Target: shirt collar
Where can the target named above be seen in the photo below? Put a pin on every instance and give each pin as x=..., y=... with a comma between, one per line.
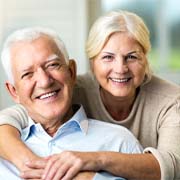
x=79, y=118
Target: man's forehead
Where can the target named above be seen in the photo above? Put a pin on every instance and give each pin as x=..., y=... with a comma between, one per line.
x=43, y=42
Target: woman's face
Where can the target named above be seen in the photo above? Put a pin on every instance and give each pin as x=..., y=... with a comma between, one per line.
x=120, y=66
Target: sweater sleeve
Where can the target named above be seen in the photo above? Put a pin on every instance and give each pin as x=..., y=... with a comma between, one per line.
x=15, y=116
x=168, y=148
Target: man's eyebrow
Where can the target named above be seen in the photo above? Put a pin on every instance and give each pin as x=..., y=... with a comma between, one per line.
x=53, y=57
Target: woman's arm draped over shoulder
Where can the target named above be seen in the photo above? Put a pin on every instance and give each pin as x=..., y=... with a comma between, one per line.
x=12, y=120
x=15, y=116
x=131, y=166
x=14, y=149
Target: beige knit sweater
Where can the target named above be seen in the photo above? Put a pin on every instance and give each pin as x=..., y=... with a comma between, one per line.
x=154, y=118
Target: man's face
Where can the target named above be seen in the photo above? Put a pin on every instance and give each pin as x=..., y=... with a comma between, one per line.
x=43, y=82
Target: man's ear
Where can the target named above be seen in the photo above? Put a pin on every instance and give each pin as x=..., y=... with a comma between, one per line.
x=12, y=91
x=72, y=68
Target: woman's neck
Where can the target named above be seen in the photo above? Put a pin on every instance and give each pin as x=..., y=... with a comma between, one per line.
x=119, y=108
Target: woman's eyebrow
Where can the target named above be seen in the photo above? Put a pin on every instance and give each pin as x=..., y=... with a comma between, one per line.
x=106, y=52
x=134, y=51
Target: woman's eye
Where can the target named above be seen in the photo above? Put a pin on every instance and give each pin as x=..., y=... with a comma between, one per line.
x=107, y=57
x=130, y=57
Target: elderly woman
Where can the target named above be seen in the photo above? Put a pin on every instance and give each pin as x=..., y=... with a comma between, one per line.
x=120, y=90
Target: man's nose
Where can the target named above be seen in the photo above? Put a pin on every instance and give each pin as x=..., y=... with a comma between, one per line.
x=120, y=66
x=43, y=78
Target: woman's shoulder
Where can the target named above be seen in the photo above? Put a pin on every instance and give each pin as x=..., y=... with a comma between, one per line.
x=85, y=89
x=19, y=109
x=162, y=87
x=86, y=80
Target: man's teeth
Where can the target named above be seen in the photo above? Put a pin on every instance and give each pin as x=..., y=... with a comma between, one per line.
x=119, y=80
x=47, y=95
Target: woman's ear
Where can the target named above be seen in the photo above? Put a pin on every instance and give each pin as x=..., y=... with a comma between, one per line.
x=12, y=91
x=72, y=69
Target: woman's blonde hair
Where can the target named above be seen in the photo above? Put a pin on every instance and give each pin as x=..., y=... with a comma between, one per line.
x=117, y=21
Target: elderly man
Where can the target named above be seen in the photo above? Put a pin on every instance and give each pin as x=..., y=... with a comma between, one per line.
x=41, y=78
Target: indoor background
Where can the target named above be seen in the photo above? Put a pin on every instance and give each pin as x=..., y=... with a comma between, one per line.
x=72, y=19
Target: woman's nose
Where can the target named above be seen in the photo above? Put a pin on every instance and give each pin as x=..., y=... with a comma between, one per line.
x=120, y=66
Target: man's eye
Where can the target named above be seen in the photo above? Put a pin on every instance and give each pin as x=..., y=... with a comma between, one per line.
x=54, y=66
x=27, y=75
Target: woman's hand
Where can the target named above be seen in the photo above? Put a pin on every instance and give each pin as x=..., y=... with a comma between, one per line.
x=34, y=169
x=68, y=164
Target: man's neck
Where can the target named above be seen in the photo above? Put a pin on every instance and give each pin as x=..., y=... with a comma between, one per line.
x=51, y=130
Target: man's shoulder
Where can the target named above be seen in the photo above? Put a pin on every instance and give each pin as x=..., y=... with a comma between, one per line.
x=108, y=127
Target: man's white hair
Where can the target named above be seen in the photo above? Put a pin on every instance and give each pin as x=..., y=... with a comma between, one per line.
x=28, y=35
